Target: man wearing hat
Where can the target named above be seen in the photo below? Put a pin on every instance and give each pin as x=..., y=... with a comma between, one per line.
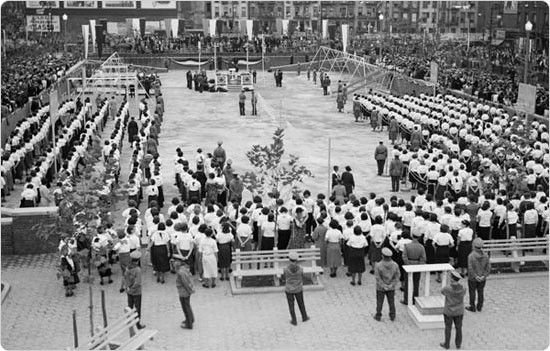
x=219, y=155
x=380, y=155
x=132, y=279
x=347, y=181
x=386, y=273
x=479, y=268
x=413, y=253
x=453, y=311
x=236, y=188
x=184, y=284
x=294, y=280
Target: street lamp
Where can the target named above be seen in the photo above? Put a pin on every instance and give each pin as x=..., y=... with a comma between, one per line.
x=528, y=29
x=65, y=18
x=381, y=18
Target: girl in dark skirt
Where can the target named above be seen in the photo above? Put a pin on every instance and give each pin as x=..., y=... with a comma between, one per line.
x=442, y=242
x=428, y=243
x=356, y=260
x=464, y=243
x=69, y=271
x=159, y=248
x=225, y=244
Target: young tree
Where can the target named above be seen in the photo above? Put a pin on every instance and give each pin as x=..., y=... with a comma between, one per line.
x=273, y=172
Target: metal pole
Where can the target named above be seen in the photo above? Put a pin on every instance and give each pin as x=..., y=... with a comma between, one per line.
x=526, y=68
x=75, y=331
x=328, y=168
x=215, y=60
x=247, y=59
x=91, y=311
x=103, y=308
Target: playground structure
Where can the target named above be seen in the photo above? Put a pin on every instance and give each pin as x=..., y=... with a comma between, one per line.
x=362, y=76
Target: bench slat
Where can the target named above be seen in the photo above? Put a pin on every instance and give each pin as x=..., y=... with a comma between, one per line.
x=113, y=330
x=138, y=340
x=518, y=259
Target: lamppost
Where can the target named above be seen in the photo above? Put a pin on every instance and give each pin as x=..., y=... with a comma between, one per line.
x=528, y=29
x=65, y=18
x=381, y=18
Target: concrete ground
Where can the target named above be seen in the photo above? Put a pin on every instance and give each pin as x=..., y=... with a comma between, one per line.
x=36, y=315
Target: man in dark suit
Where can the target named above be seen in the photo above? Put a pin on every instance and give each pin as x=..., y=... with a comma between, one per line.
x=348, y=181
x=133, y=129
x=335, y=176
x=396, y=170
x=189, y=77
x=380, y=155
x=413, y=253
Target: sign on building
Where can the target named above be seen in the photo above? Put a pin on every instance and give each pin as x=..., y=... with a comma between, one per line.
x=527, y=95
x=43, y=23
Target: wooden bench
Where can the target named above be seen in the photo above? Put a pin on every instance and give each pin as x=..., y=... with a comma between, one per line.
x=105, y=338
x=514, y=250
x=273, y=262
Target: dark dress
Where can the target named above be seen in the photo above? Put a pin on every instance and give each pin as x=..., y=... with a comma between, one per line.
x=72, y=277
x=356, y=260
x=224, y=255
x=441, y=254
x=464, y=249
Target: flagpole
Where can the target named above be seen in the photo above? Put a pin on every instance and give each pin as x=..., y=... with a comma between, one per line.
x=199, y=55
x=247, y=70
x=263, y=59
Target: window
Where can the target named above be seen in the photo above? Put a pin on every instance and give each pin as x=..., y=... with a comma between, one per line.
x=425, y=4
x=315, y=11
x=360, y=11
x=331, y=12
x=546, y=19
x=216, y=11
x=252, y=12
x=434, y=4
x=324, y=11
x=534, y=19
x=413, y=17
x=395, y=15
x=405, y=16
x=279, y=11
x=414, y=4
x=306, y=11
x=453, y=30
x=343, y=11
x=243, y=11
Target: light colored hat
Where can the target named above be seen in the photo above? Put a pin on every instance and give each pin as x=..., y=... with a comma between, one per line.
x=293, y=256
x=477, y=243
x=136, y=255
x=455, y=275
x=386, y=252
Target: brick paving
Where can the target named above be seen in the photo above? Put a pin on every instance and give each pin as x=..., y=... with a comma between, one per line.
x=36, y=315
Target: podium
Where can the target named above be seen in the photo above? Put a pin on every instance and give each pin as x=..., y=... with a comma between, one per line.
x=427, y=312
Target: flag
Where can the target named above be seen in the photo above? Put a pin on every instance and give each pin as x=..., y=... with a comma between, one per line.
x=212, y=27
x=175, y=27
x=285, y=26
x=199, y=45
x=86, y=35
x=168, y=26
x=92, y=32
x=325, y=28
x=249, y=25
x=345, y=36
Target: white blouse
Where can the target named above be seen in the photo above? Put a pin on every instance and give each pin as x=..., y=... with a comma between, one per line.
x=357, y=241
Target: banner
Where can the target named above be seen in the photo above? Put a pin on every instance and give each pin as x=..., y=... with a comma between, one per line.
x=212, y=27
x=92, y=32
x=527, y=95
x=43, y=23
x=285, y=26
x=175, y=27
x=54, y=106
x=434, y=70
x=86, y=35
x=345, y=28
x=249, y=27
x=325, y=28
x=168, y=27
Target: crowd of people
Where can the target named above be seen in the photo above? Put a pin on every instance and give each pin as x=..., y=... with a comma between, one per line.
x=28, y=73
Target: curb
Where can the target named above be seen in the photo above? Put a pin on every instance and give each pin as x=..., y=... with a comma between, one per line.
x=496, y=276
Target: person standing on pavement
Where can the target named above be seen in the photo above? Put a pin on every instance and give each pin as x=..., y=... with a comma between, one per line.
x=254, y=103
x=133, y=129
x=112, y=108
x=380, y=155
x=315, y=76
x=479, y=268
x=348, y=181
x=413, y=253
x=242, y=99
x=453, y=312
x=294, y=281
x=132, y=279
x=393, y=129
x=184, y=284
x=386, y=273
x=396, y=171
x=219, y=155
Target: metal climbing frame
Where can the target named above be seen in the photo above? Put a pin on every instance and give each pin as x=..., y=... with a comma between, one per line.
x=335, y=61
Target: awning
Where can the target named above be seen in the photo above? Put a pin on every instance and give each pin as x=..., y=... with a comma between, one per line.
x=496, y=42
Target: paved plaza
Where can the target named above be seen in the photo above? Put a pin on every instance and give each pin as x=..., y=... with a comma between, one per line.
x=36, y=315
